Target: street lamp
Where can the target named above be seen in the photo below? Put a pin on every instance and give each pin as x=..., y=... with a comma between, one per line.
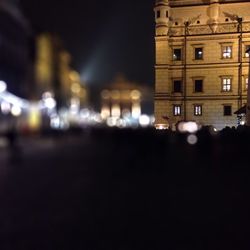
x=248, y=94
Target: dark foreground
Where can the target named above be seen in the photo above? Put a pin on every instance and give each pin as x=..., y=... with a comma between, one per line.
x=124, y=190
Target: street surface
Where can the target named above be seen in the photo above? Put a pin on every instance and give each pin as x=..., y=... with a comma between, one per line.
x=112, y=189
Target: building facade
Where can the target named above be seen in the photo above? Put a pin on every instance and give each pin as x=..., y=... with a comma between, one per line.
x=54, y=74
x=201, y=61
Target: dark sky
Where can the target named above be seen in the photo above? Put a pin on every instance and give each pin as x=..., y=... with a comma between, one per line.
x=104, y=36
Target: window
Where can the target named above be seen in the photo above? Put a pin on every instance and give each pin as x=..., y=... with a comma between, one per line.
x=227, y=110
x=198, y=53
x=177, y=86
x=226, y=51
x=198, y=85
x=166, y=13
x=177, y=54
x=197, y=110
x=247, y=47
x=226, y=84
x=246, y=83
x=158, y=14
x=177, y=110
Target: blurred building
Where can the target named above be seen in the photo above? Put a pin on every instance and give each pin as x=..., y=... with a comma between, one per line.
x=201, y=61
x=53, y=72
x=124, y=99
x=15, y=49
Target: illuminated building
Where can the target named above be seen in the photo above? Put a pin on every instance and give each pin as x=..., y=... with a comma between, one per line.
x=201, y=65
x=54, y=74
x=123, y=99
x=15, y=49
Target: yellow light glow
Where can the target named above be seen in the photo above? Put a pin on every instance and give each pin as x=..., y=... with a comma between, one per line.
x=115, y=94
x=34, y=119
x=135, y=95
x=76, y=88
x=136, y=110
x=125, y=95
x=116, y=110
x=161, y=126
x=105, y=112
x=74, y=76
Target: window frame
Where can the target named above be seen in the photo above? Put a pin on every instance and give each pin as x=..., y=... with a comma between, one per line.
x=178, y=113
x=223, y=78
x=173, y=85
x=202, y=55
x=246, y=47
x=177, y=48
x=227, y=105
x=199, y=113
x=226, y=45
x=198, y=79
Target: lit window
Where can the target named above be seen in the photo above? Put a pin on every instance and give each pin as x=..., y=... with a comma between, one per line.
x=227, y=110
x=247, y=48
x=198, y=86
x=197, y=110
x=226, y=52
x=226, y=84
x=177, y=54
x=198, y=53
x=177, y=110
x=177, y=86
x=246, y=83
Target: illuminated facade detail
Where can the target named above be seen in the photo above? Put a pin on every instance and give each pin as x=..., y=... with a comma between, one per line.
x=177, y=110
x=123, y=103
x=54, y=74
x=201, y=70
x=121, y=100
x=197, y=110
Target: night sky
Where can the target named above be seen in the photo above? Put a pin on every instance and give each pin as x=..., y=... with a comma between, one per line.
x=104, y=37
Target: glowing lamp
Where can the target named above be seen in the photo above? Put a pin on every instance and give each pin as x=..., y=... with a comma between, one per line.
x=3, y=86
x=16, y=111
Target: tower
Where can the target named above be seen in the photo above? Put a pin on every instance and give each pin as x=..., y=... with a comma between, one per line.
x=162, y=14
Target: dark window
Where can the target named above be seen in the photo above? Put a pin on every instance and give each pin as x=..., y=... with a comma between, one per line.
x=177, y=110
x=198, y=85
x=177, y=86
x=198, y=53
x=158, y=14
x=177, y=54
x=198, y=110
x=227, y=110
x=176, y=23
x=198, y=22
x=166, y=13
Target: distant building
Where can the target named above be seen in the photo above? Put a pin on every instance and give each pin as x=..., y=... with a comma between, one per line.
x=124, y=99
x=53, y=72
x=15, y=49
x=201, y=65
